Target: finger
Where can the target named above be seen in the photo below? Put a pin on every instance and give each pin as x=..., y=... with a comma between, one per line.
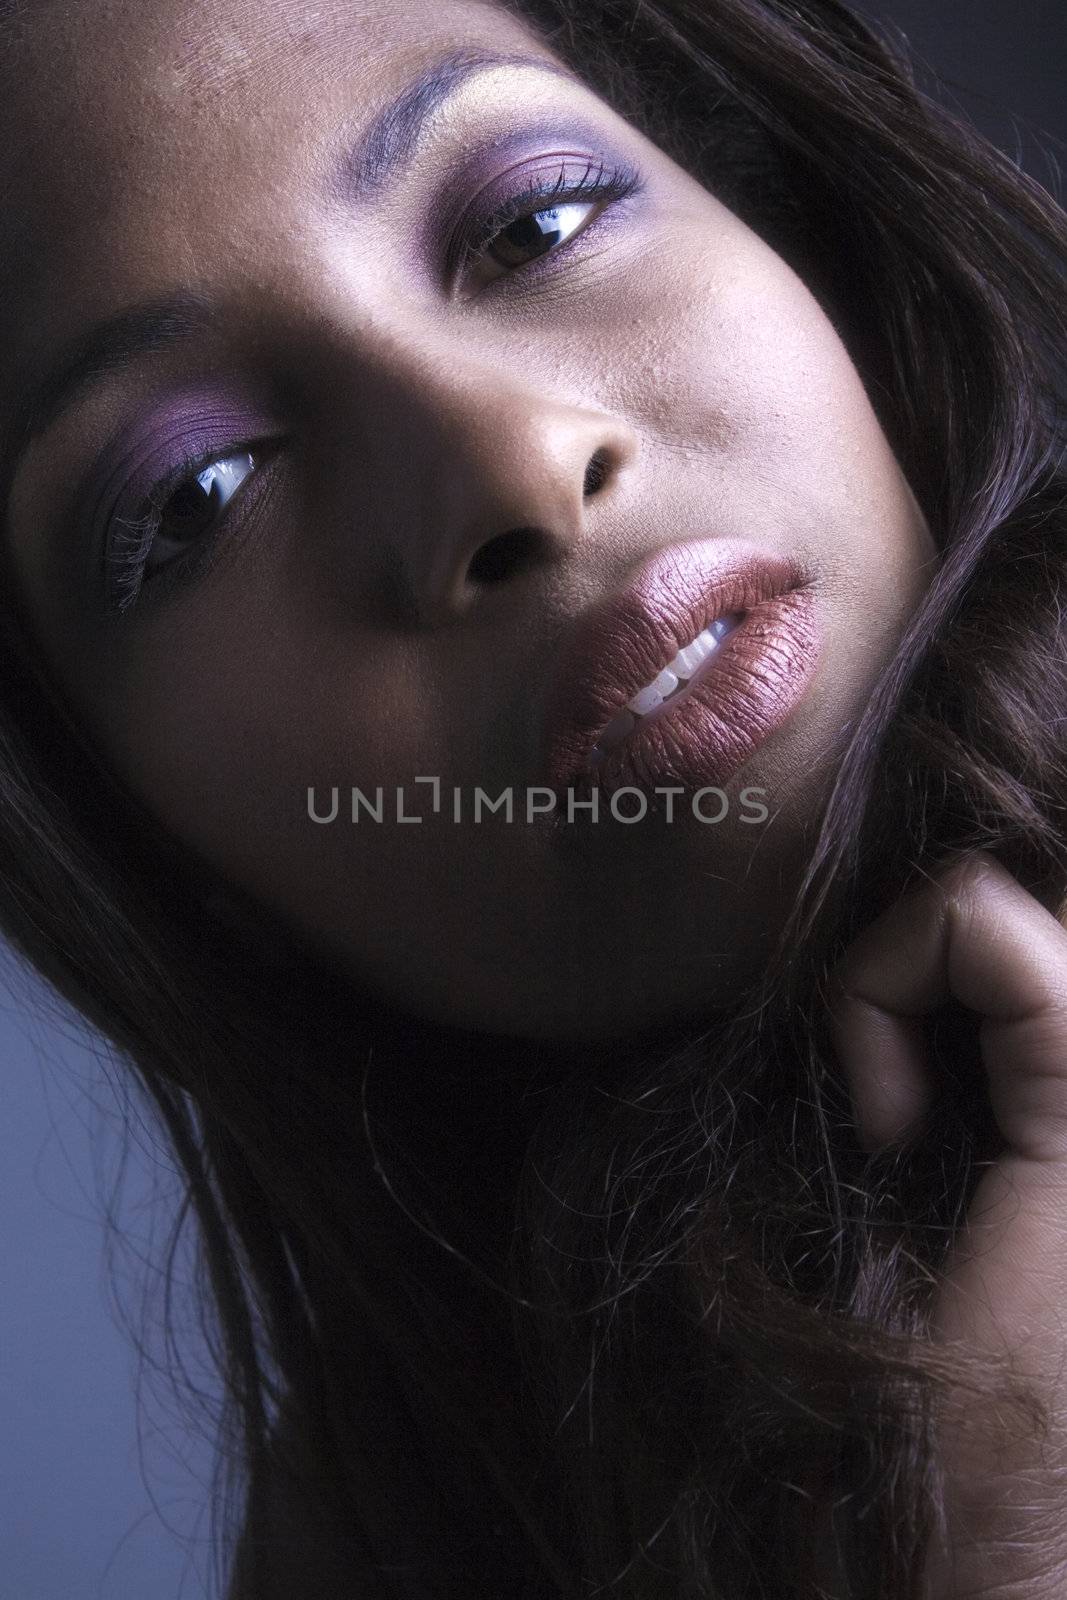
x=883, y=1056
x=973, y=933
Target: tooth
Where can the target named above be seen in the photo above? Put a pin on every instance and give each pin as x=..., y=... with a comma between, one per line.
x=645, y=700
x=684, y=666
x=687, y=661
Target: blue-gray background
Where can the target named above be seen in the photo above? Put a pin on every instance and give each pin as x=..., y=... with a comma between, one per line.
x=100, y=1501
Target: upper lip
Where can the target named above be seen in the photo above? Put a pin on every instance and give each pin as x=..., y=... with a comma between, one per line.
x=623, y=641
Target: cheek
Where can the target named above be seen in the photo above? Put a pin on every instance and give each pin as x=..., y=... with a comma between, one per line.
x=230, y=718
x=739, y=370
x=226, y=761
x=731, y=349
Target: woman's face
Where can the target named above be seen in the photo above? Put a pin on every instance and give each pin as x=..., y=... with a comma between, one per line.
x=395, y=476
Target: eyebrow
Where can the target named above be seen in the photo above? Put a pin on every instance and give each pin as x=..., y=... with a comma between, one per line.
x=391, y=140
x=378, y=155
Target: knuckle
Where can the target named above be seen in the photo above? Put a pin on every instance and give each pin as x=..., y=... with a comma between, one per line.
x=973, y=874
x=978, y=891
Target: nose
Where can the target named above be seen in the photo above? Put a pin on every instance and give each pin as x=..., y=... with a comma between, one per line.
x=489, y=474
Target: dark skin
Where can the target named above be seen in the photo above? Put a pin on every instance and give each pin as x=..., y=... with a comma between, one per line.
x=337, y=636
x=973, y=934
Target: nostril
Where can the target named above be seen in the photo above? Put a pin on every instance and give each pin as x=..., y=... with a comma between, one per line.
x=501, y=556
x=596, y=472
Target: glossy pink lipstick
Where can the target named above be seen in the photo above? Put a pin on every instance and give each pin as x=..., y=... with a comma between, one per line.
x=709, y=726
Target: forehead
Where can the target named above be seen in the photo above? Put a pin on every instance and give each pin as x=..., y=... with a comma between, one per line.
x=173, y=52
x=115, y=110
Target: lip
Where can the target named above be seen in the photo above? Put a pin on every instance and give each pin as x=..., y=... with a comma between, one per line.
x=746, y=690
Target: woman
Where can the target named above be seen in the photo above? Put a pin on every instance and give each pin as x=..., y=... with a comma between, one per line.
x=637, y=1200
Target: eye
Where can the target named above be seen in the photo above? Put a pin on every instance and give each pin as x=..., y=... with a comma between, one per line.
x=196, y=505
x=178, y=520
x=536, y=233
x=541, y=218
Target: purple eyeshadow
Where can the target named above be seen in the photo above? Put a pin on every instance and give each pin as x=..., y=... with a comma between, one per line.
x=200, y=419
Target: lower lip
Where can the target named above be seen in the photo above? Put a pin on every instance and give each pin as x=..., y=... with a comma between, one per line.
x=746, y=690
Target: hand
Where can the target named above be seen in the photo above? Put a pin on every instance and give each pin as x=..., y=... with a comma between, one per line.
x=974, y=933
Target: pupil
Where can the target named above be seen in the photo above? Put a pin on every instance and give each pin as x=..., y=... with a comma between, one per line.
x=191, y=502
x=529, y=233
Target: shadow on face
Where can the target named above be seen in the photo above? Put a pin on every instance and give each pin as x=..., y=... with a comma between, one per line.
x=369, y=355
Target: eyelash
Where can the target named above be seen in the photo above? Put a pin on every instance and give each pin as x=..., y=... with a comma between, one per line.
x=609, y=188
x=130, y=540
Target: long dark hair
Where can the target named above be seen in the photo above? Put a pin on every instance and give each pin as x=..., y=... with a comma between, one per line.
x=505, y=1318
